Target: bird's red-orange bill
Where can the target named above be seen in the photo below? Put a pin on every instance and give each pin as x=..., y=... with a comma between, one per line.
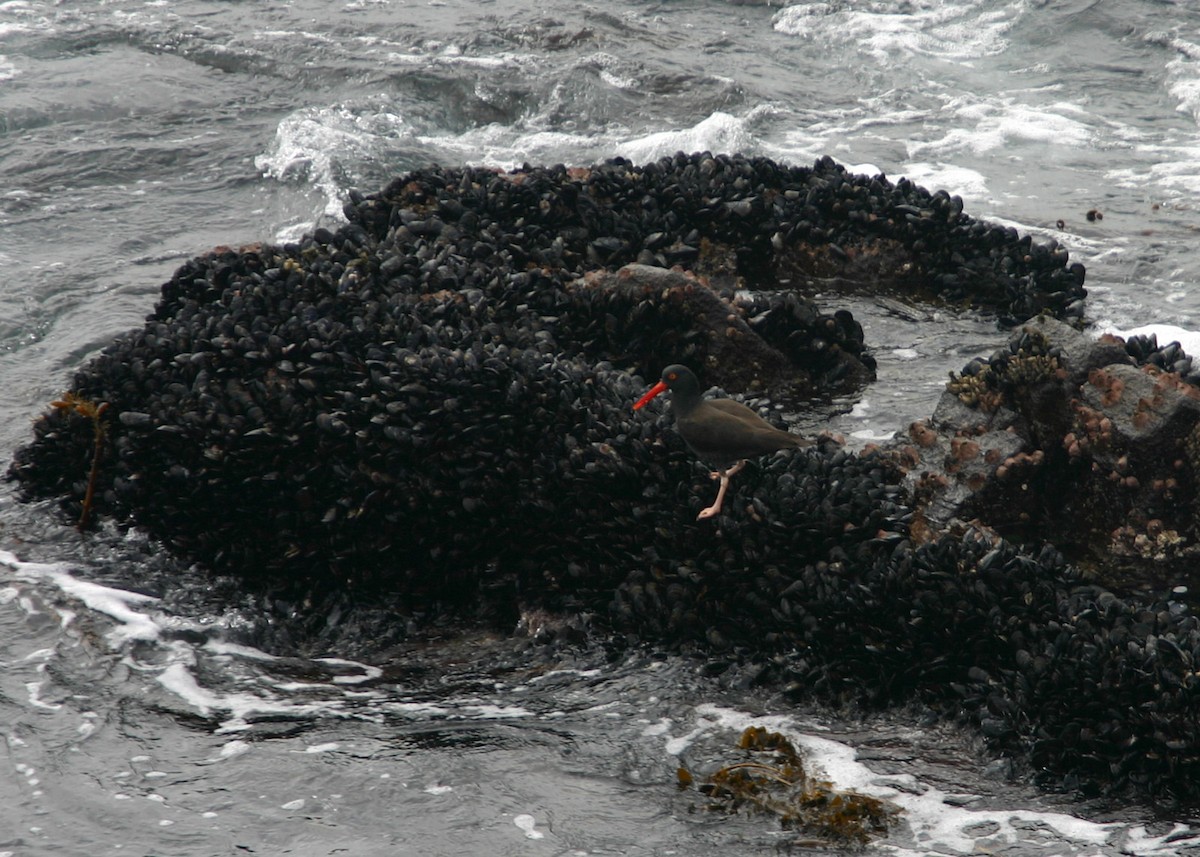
x=650, y=394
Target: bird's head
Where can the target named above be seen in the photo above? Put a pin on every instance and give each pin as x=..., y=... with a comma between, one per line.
x=677, y=378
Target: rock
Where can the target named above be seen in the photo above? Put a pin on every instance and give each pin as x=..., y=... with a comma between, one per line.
x=1061, y=437
x=651, y=302
x=435, y=400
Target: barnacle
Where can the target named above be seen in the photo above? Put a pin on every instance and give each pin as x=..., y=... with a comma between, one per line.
x=974, y=391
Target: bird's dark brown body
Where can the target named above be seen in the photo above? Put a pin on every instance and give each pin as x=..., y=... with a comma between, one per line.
x=723, y=432
x=720, y=431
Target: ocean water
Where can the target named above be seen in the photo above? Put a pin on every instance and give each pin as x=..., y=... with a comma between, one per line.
x=148, y=709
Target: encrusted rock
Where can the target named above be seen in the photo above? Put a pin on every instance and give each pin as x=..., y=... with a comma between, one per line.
x=1079, y=446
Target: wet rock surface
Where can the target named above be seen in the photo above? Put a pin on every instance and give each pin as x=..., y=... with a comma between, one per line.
x=435, y=400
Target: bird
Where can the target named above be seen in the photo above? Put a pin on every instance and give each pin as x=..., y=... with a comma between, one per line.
x=722, y=432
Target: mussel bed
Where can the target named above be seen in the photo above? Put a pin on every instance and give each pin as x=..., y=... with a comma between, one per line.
x=422, y=402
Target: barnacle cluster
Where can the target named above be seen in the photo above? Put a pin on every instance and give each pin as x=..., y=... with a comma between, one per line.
x=1154, y=543
x=987, y=384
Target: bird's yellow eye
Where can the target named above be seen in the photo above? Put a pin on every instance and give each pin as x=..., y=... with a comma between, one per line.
x=672, y=376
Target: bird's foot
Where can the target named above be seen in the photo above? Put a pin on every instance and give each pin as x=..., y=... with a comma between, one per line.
x=724, y=477
x=715, y=474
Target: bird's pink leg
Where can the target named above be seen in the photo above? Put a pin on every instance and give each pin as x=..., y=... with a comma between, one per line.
x=716, y=506
x=724, y=476
x=733, y=471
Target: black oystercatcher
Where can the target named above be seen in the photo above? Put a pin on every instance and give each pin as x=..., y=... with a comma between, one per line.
x=720, y=431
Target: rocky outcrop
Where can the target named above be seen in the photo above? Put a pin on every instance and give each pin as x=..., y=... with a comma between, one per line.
x=384, y=400
x=435, y=399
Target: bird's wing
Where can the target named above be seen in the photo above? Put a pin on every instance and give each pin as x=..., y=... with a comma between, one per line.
x=730, y=430
x=735, y=409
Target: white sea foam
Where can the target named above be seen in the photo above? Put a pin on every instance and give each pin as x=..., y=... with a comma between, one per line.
x=955, y=179
x=866, y=436
x=1173, y=175
x=958, y=31
x=718, y=132
x=233, y=748
x=452, y=55
x=221, y=647
x=612, y=70
x=569, y=673
x=1187, y=89
x=173, y=662
x=33, y=690
x=299, y=35
x=932, y=822
x=117, y=604
x=1165, y=165
x=18, y=17
x=240, y=707
x=1183, y=75
x=311, y=143
x=994, y=124
x=508, y=146
x=528, y=825
x=367, y=672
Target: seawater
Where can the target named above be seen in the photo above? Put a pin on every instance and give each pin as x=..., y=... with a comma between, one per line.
x=149, y=709
x=132, y=729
